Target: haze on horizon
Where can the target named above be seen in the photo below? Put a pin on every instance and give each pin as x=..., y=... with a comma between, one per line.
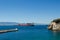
x=23, y=11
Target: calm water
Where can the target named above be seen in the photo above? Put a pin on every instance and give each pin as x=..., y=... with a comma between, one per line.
x=29, y=33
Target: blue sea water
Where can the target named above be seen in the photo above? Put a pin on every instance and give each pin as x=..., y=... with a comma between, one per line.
x=38, y=32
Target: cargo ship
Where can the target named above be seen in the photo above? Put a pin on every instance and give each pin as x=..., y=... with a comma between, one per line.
x=26, y=24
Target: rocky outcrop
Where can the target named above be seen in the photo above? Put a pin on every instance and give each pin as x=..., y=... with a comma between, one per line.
x=55, y=25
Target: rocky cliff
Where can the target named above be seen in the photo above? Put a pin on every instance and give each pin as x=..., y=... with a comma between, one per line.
x=54, y=25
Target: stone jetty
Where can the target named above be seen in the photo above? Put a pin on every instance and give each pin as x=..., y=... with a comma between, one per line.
x=10, y=30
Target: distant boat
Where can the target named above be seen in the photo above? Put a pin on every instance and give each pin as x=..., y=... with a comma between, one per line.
x=27, y=24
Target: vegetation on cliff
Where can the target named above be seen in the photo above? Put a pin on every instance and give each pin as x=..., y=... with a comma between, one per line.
x=56, y=20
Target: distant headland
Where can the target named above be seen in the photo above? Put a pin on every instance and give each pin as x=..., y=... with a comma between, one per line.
x=16, y=24
x=19, y=24
x=8, y=23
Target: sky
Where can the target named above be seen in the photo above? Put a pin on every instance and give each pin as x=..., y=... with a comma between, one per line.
x=23, y=11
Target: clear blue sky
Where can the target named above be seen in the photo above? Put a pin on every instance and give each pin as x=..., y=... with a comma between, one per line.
x=38, y=11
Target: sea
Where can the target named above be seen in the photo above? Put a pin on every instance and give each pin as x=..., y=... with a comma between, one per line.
x=37, y=32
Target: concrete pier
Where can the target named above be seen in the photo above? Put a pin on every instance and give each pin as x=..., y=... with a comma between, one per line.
x=10, y=30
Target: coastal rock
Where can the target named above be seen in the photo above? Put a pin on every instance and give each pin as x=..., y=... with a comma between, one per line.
x=55, y=25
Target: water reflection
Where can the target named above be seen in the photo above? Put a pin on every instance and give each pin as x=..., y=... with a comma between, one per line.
x=56, y=35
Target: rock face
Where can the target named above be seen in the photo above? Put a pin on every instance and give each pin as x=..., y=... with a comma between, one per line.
x=55, y=25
